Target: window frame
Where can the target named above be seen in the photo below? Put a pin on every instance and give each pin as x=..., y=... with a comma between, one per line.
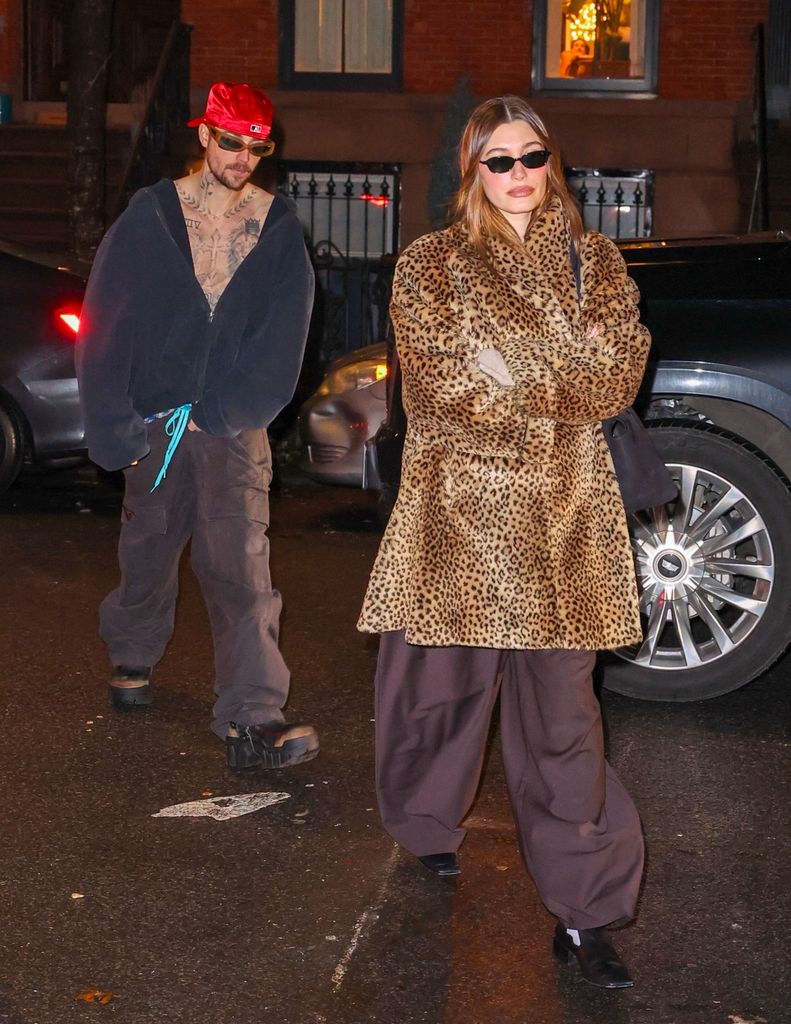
x=645, y=87
x=338, y=80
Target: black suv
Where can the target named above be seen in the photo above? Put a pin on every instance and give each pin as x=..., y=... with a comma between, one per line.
x=715, y=566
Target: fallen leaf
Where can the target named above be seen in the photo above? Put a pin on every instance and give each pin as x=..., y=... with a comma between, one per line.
x=502, y=867
x=95, y=995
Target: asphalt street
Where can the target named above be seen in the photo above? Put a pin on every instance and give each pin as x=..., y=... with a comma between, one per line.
x=302, y=911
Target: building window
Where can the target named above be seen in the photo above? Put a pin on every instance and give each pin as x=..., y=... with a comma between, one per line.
x=341, y=44
x=596, y=46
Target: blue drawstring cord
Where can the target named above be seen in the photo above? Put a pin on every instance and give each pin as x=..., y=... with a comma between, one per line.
x=174, y=428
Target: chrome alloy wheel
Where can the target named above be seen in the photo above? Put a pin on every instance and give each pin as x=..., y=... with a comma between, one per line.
x=705, y=568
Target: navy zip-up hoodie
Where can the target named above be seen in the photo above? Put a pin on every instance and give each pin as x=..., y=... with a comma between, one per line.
x=149, y=343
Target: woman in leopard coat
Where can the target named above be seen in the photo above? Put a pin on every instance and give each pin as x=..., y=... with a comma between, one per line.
x=507, y=563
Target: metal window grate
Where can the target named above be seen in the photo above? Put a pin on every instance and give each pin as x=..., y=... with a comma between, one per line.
x=350, y=216
x=618, y=203
x=349, y=210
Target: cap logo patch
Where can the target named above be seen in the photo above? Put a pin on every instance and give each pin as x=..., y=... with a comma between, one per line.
x=237, y=107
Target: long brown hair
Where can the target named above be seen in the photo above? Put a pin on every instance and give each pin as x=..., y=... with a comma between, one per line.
x=471, y=206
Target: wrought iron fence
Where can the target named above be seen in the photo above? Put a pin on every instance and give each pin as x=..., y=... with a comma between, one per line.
x=350, y=216
x=616, y=202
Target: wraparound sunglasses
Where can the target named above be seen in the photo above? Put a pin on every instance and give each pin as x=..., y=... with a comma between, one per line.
x=233, y=144
x=501, y=164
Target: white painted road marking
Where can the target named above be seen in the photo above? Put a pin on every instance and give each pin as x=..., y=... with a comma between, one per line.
x=221, y=808
x=370, y=915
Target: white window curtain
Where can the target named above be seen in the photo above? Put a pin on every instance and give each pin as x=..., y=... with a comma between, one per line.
x=343, y=36
x=369, y=36
x=318, y=38
x=637, y=40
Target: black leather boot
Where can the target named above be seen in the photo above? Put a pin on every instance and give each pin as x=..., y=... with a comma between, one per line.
x=443, y=864
x=598, y=962
x=270, y=746
x=136, y=693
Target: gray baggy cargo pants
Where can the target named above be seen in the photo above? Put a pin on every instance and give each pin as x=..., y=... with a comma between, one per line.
x=578, y=829
x=216, y=492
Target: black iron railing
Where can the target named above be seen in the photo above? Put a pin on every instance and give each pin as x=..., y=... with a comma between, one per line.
x=350, y=216
x=619, y=203
x=168, y=107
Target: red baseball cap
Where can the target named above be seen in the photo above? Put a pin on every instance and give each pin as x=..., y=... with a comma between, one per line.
x=238, y=108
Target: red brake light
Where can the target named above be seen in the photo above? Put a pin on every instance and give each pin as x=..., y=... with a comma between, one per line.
x=69, y=318
x=375, y=200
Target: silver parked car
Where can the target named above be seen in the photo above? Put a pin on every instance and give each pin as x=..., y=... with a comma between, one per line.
x=40, y=417
x=343, y=413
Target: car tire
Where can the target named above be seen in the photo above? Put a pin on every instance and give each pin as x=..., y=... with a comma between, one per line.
x=12, y=448
x=715, y=591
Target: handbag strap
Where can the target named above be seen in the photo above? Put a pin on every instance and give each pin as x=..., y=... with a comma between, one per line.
x=574, y=259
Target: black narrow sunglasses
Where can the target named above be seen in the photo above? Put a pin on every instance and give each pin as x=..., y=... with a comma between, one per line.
x=501, y=164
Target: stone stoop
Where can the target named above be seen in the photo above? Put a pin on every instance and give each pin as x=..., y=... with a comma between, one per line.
x=34, y=179
x=34, y=164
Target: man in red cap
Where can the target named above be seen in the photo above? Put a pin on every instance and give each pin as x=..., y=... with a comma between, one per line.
x=191, y=340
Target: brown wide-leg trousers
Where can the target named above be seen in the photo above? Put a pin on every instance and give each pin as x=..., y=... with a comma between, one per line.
x=216, y=493
x=579, y=831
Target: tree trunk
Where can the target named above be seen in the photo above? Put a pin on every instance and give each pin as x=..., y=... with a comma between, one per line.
x=89, y=52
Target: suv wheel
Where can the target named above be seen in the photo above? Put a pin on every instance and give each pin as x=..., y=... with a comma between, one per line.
x=12, y=449
x=714, y=571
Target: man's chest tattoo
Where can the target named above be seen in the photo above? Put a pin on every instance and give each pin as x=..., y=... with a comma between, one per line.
x=219, y=244
x=218, y=249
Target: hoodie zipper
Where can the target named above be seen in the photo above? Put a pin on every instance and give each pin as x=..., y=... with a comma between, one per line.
x=209, y=311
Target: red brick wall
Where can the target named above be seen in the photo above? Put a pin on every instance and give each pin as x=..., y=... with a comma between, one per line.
x=442, y=38
x=235, y=40
x=490, y=40
x=705, y=51
x=702, y=55
x=7, y=72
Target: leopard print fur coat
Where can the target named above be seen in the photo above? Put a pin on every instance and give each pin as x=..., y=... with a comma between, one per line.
x=509, y=530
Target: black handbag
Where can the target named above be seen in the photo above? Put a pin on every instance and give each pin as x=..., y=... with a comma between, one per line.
x=643, y=477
